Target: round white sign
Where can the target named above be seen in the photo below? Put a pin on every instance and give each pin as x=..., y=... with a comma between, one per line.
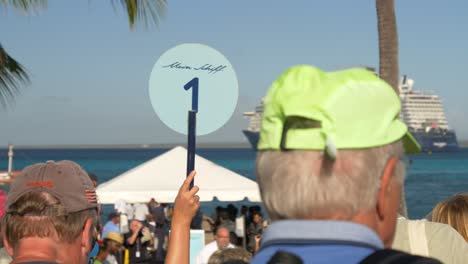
x=183, y=72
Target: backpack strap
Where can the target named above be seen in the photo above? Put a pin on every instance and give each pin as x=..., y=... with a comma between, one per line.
x=391, y=256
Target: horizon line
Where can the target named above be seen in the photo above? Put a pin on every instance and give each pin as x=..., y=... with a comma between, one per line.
x=133, y=146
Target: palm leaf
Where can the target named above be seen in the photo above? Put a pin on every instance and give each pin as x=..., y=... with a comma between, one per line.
x=27, y=6
x=148, y=12
x=12, y=77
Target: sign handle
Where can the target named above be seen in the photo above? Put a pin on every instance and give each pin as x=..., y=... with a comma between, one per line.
x=192, y=125
x=191, y=146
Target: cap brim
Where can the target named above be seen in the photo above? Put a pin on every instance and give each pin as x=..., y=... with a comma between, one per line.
x=410, y=144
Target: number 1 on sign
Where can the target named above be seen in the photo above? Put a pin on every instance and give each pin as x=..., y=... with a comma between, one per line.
x=194, y=85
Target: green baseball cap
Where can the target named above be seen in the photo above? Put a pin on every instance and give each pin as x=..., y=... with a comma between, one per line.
x=350, y=109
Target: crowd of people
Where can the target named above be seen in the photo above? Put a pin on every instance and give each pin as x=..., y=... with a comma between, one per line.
x=330, y=172
x=227, y=233
x=138, y=231
x=146, y=226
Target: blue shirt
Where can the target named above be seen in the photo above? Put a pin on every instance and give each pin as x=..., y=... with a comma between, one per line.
x=109, y=227
x=316, y=241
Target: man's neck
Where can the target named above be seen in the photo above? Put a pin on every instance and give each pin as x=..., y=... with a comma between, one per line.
x=41, y=249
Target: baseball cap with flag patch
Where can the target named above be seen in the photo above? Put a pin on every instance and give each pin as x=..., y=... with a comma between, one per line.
x=349, y=109
x=65, y=180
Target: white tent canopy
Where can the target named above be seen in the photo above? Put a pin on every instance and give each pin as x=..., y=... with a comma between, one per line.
x=161, y=177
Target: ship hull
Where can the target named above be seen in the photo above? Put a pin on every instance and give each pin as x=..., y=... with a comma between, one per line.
x=253, y=137
x=437, y=142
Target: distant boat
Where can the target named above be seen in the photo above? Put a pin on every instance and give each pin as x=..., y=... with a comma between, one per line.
x=422, y=112
x=9, y=176
x=252, y=133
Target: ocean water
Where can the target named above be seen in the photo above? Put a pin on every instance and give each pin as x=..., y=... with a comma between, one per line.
x=431, y=178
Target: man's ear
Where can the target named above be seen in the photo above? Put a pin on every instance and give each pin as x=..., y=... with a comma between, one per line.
x=87, y=236
x=7, y=245
x=385, y=183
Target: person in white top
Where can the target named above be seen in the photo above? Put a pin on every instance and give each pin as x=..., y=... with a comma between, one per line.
x=430, y=239
x=221, y=242
x=129, y=210
x=141, y=211
x=120, y=205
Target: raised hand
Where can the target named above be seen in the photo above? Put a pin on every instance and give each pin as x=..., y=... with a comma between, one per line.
x=186, y=206
x=187, y=202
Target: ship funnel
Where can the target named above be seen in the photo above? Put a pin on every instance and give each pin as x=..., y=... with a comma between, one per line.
x=403, y=87
x=405, y=78
x=406, y=84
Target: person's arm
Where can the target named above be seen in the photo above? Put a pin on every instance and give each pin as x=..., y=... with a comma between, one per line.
x=147, y=213
x=208, y=219
x=131, y=239
x=149, y=234
x=135, y=232
x=258, y=239
x=186, y=206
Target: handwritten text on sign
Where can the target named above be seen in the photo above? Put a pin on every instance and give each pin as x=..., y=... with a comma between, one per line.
x=206, y=67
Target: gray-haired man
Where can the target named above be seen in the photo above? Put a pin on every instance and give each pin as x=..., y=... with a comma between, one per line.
x=329, y=165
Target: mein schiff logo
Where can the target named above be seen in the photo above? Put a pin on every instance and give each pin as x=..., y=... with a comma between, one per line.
x=212, y=69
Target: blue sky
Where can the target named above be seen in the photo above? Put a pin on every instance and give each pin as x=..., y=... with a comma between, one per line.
x=90, y=73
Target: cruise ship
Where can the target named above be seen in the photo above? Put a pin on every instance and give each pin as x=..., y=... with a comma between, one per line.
x=422, y=112
x=252, y=133
x=424, y=115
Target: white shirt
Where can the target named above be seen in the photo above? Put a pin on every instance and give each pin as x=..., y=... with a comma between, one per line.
x=4, y=257
x=442, y=241
x=141, y=211
x=120, y=206
x=129, y=210
x=111, y=259
x=207, y=251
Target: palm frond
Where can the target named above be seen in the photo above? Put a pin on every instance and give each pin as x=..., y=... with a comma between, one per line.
x=12, y=77
x=148, y=12
x=26, y=6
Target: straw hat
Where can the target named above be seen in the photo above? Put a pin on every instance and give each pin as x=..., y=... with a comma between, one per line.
x=115, y=237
